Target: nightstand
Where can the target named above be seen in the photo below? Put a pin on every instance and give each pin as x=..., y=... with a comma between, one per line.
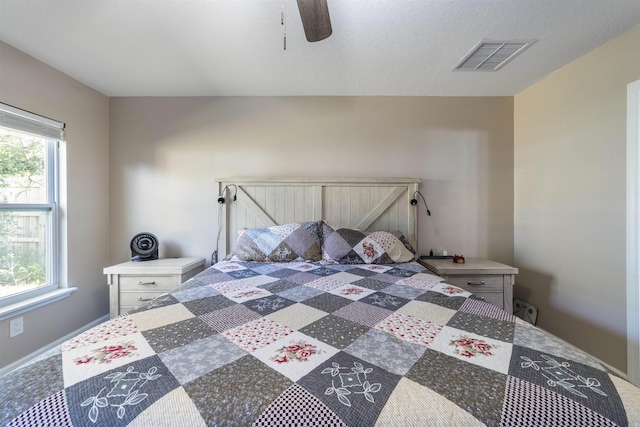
x=133, y=283
x=487, y=279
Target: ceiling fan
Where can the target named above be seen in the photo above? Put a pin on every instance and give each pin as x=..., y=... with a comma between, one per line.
x=315, y=19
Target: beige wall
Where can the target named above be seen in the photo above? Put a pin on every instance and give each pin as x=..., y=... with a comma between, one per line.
x=31, y=85
x=570, y=196
x=166, y=152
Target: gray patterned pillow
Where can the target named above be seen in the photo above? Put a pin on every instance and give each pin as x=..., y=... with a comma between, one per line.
x=347, y=246
x=281, y=243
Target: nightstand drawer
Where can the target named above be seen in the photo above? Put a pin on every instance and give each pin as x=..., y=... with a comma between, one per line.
x=477, y=284
x=135, y=299
x=143, y=283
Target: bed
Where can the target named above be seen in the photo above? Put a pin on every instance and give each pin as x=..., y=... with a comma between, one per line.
x=316, y=314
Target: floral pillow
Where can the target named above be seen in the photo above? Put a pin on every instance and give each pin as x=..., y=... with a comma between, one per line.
x=280, y=243
x=347, y=246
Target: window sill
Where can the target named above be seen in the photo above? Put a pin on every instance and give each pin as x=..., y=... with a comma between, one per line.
x=35, y=302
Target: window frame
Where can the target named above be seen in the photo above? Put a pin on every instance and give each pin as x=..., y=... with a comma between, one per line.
x=52, y=132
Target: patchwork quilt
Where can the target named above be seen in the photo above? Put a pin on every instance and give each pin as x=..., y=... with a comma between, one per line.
x=303, y=343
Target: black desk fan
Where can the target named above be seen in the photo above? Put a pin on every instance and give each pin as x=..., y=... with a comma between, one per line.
x=144, y=247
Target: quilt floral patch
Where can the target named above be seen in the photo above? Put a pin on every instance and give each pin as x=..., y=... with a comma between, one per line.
x=257, y=334
x=108, y=353
x=118, y=327
x=466, y=346
x=299, y=351
x=295, y=355
x=410, y=329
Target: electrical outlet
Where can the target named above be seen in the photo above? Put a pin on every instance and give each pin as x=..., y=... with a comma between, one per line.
x=16, y=327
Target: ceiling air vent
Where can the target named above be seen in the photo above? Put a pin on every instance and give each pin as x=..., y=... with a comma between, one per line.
x=491, y=55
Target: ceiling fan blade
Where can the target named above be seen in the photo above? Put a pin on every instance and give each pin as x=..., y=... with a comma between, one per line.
x=315, y=19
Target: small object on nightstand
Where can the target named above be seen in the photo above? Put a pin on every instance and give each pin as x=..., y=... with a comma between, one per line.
x=436, y=256
x=431, y=252
x=458, y=259
x=144, y=247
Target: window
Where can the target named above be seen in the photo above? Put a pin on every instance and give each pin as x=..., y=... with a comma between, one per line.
x=28, y=205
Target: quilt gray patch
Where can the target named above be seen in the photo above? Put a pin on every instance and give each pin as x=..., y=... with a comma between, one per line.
x=224, y=401
x=335, y=331
x=177, y=334
x=478, y=390
x=24, y=388
x=300, y=293
x=492, y=328
x=200, y=357
x=390, y=353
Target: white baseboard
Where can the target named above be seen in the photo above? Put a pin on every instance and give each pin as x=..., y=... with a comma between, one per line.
x=10, y=367
x=616, y=371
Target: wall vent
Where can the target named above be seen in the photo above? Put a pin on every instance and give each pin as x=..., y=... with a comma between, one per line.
x=491, y=55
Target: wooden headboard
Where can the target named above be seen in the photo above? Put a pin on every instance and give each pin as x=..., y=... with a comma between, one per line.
x=366, y=204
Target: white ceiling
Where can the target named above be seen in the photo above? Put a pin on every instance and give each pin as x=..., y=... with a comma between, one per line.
x=235, y=47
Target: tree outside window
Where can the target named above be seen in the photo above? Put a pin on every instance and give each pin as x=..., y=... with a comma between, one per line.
x=23, y=183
